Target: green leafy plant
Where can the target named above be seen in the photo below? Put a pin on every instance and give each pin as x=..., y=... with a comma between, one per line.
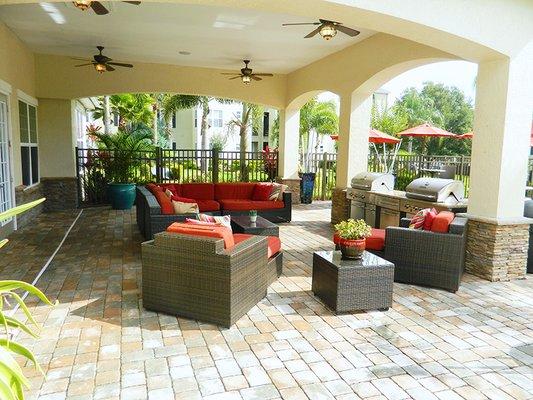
x=126, y=150
x=12, y=379
x=353, y=229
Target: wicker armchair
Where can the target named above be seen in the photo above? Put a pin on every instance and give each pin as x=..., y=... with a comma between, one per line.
x=196, y=277
x=427, y=258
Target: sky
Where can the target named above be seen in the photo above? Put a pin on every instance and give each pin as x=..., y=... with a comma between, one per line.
x=461, y=74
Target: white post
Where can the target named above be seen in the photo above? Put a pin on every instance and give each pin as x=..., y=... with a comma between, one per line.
x=354, y=127
x=289, y=136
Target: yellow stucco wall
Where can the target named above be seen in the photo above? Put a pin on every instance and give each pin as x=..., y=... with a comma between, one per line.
x=17, y=69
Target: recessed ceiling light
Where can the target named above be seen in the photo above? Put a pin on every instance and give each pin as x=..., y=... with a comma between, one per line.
x=185, y=53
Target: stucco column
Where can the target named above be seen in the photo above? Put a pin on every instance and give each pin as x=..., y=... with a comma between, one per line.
x=289, y=138
x=352, y=154
x=56, y=153
x=498, y=234
x=354, y=126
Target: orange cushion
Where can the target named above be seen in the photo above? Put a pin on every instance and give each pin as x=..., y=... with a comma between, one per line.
x=246, y=205
x=221, y=232
x=208, y=205
x=242, y=191
x=376, y=241
x=164, y=202
x=274, y=243
x=198, y=191
x=442, y=222
x=152, y=187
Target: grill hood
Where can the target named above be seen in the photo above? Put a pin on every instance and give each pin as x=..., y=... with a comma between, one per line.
x=437, y=190
x=375, y=181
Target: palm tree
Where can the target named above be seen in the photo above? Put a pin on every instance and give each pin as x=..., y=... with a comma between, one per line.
x=131, y=109
x=316, y=117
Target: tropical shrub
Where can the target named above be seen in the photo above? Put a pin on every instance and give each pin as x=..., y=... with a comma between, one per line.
x=12, y=379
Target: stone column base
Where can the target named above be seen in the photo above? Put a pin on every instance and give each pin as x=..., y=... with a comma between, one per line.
x=25, y=195
x=60, y=193
x=294, y=188
x=496, y=252
x=340, y=206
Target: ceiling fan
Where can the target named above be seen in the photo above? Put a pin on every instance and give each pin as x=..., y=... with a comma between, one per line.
x=246, y=74
x=102, y=63
x=97, y=7
x=327, y=29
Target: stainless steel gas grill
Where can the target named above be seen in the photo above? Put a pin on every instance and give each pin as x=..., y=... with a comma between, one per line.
x=436, y=190
x=362, y=206
x=374, y=181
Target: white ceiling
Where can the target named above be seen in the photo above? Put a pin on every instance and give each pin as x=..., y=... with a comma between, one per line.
x=217, y=37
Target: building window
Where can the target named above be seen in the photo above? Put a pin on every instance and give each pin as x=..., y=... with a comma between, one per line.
x=266, y=123
x=29, y=151
x=116, y=119
x=196, y=118
x=255, y=147
x=215, y=119
x=174, y=122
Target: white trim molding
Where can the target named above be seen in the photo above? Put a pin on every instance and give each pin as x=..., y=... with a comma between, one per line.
x=26, y=98
x=5, y=87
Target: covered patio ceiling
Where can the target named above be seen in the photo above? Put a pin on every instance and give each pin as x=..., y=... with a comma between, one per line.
x=215, y=37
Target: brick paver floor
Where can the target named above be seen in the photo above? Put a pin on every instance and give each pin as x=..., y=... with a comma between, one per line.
x=99, y=342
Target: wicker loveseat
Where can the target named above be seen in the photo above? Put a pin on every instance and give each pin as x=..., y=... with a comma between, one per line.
x=427, y=258
x=215, y=199
x=197, y=277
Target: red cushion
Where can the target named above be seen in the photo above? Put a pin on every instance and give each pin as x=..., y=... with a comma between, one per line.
x=376, y=241
x=182, y=199
x=221, y=232
x=152, y=187
x=262, y=191
x=164, y=202
x=208, y=205
x=274, y=243
x=198, y=191
x=442, y=222
x=246, y=205
x=174, y=188
x=428, y=221
x=241, y=191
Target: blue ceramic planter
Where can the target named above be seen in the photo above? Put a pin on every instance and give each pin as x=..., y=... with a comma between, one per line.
x=307, y=185
x=121, y=195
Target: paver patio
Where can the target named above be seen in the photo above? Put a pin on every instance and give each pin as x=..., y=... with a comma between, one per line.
x=99, y=343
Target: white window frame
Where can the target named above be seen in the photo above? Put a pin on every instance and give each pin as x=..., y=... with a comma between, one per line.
x=30, y=145
x=6, y=90
x=212, y=119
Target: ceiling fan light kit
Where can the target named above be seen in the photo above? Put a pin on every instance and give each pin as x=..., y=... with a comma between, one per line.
x=100, y=67
x=326, y=28
x=246, y=79
x=83, y=4
x=328, y=31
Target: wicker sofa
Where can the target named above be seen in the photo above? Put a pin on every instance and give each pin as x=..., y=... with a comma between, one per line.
x=427, y=258
x=215, y=199
x=196, y=277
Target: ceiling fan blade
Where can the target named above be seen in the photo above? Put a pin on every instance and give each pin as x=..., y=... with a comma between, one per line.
x=348, y=31
x=263, y=74
x=99, y=8
x=229, y=73
x=120, y=64
x=302, y=23
x=327, y=21
x=135, y=3
x=109, y=68
x=235, y=77
x=83, y=65
x=313, y=33
x=255, y=77
x=80, y=59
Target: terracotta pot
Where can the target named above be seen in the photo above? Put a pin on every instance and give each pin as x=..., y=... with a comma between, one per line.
x=352, y=249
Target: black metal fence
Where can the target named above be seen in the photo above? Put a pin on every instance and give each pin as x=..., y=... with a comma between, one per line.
x=168, y=165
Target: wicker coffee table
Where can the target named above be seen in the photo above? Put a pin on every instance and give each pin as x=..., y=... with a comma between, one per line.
x=263, y=227
x=349, y=285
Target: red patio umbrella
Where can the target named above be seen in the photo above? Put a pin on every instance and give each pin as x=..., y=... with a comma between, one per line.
x=468, y=135
x=426, y=130
x=376, y=136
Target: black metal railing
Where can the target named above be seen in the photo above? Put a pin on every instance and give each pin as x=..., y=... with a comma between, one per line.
x=172, y=165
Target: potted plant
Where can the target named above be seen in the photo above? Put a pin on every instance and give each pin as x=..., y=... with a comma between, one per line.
x=125, y=149
x=253, y=216
x=353, y=234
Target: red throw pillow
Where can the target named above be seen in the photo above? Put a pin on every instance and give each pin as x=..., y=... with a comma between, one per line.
x=262, y=192
x=182, y=199
x=442, y=222
x=417, y=222
x=152, y=187
x=164, y=202
x=428, y=221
